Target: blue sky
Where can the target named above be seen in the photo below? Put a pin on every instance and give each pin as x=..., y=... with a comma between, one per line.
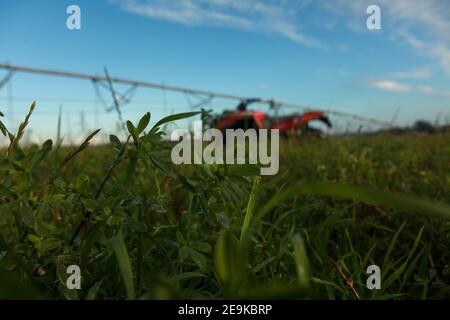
x=316, y=53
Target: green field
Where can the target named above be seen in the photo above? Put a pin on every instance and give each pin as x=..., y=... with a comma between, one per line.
x=141, y=228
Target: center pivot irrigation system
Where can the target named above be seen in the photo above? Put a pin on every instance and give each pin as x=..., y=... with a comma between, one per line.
x=204, y=97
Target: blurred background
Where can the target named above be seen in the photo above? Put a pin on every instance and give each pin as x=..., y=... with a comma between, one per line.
x=318, y=54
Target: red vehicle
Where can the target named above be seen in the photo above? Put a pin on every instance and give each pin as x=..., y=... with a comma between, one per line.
x=244, y=119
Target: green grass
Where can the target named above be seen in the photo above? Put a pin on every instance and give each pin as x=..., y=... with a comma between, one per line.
x=140, y=227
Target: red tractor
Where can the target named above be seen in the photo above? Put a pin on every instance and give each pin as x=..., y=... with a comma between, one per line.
x=244, y=119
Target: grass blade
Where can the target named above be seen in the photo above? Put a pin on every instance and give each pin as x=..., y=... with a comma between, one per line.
x=301, y=261
x=364, y=194
x=250, y=207
x=123, y=259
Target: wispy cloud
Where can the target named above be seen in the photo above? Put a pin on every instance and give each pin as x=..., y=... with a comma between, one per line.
x=440, y=51
x=422, y=25
x=394, y=86
x=275, y=17
x=432, y=91
x=389, y=85
x=413, y=74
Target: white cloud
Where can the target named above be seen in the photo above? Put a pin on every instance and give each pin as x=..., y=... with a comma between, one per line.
x=389, y=85
x=432, y=91
x=426, y=89
x=274, y=17
x=184, y=11
x=404, y=20
x=421, y=24
x=437, y=51
x=413, y=74
x=264, y=85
